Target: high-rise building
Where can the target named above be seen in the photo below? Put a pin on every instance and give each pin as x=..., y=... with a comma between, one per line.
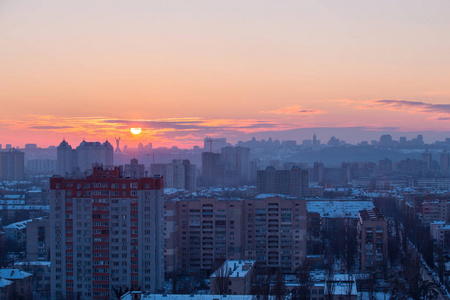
x=84, y=157
x=445, y=163
x=201, y=233
x=12, y=165
x=215, y=145
x=107, y=233
x=427, y=158
x=292, y=182
x=94, y=153
x=237, y=165
x=66, y=159
x=134, y=169
x=372, y=241
x=180, y=174
x=213, y=169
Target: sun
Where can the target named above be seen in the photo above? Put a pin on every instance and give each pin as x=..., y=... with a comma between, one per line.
x=135, y=130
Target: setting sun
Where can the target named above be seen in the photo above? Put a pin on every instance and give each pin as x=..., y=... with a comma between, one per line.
x=135, y=130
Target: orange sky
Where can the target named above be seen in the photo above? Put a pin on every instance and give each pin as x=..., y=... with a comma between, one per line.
x=186, y=69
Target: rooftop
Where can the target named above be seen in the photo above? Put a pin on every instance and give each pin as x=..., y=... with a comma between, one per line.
x=13, y=274
x=338, y=209
x=236, y=268
x=128, y=296
x=373, y=214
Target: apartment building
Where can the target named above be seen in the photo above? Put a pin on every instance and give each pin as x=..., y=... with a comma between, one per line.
x=107, y=233
x=202, y=233
x=372, y=241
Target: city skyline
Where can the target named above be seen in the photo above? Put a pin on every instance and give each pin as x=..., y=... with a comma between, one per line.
x=183, y=71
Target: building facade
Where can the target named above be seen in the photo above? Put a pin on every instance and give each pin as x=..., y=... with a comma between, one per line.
x=84, y=157
x=292, y=182
x=372, y=241
x=202, y=233
x=107, y=233
x=12, y=165
x=180, y=174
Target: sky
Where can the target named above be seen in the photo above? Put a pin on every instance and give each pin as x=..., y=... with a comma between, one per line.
x=184, y=70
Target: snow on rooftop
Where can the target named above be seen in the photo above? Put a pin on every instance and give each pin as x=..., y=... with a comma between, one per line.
x=338, y=209
x=21, y=224
x=32, y=263
x=4, y=282
x=128, y=296
x=438, y=222
x=13, y=274
x=18, y=225
x=236, y=268
x=169, y=191
x=264, y=196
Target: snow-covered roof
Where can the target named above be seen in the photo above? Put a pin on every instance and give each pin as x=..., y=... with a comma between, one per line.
x=264, y=196
x=236, y=268
x=25, y=207
x=18, y=225
x=128, y=296
x=338, y=209
x=32, y=263
x=4, y=282
x=13, y=274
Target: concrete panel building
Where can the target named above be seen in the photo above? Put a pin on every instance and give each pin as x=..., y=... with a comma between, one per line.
x=107, y=233
x=372, y=241
x=203, y=232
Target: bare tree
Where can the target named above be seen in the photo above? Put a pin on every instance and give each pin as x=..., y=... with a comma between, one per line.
x=261, y=285
x=349, y=287
x=330, y=285
x=304, y=281
x=280, y=286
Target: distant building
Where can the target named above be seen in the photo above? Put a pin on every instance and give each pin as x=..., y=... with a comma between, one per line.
x=66, y=160
x=213, y=169
x=292, y=182
x=106, y=232
x=236, y=162
x=41, y=166
x=214, y=145
x=427, y=158
x=180, y=174
x=445, y=163
x=134, y=169
x=233, y=277
x=372, y=241
x=90, y=154
x=84, y=157
x=12, y=165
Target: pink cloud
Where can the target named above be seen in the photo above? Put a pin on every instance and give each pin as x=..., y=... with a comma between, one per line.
x=295, y=110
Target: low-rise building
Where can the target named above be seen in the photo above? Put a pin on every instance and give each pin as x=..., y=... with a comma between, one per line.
x=23, y=283
x=233, y=277
x=6, y=289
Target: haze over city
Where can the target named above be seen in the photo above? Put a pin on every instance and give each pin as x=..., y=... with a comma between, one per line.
x=224, y=150
x=184, y=70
